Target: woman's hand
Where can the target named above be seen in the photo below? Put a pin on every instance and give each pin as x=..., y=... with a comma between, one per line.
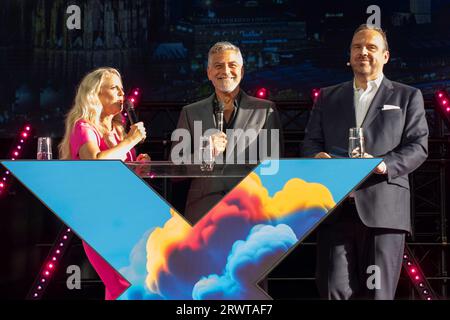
x=137, y=133
x=144, y=169
x=143, y=157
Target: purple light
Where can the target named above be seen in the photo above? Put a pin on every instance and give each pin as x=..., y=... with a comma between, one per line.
x=413, y=270
x=68, y=230
x=39, y=288
x=61, y=244
x=24, y=134
x=28, y=128
x=2, y=185
x=440, y=94
x=65, y=237
x=42, y=280
x=19, y=147
x=21, y=140
x=57, y=251
x=16, y=153
x=54, y=258
x=7, y=172
x=417, y=278
x=136, y=92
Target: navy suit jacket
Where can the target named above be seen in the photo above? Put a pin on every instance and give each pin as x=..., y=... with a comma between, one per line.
x=399, y=136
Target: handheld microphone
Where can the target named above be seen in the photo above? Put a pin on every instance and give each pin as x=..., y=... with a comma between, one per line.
x=219, y=115
x=131, y=112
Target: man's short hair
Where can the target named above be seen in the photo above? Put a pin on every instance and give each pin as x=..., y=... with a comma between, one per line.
x=375, y=28
x=224, y=46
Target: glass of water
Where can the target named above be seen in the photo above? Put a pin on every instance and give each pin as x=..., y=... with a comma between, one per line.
x=356, y=147
x=206, y=153
x=44, y=148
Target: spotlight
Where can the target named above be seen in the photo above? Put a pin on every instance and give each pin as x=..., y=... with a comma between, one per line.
x=315, y=94
x=262, y=93
x=49, y=266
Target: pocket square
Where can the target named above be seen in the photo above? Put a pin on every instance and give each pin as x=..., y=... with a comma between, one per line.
x=390, y=107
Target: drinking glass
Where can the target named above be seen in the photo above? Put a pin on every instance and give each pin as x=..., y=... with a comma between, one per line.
x=44, y=148
x=356, y=143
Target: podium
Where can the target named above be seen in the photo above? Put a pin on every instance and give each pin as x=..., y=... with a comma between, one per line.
x=223, y=256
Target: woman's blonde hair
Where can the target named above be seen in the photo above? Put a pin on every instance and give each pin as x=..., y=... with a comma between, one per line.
x=87, y=106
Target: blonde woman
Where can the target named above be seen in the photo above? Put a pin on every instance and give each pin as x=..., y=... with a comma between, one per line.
x=94, y=130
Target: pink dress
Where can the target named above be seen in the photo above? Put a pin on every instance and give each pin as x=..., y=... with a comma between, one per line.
x=82, y=133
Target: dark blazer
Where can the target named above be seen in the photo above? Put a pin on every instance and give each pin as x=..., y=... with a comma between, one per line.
x=253, y=113
x=400, y=136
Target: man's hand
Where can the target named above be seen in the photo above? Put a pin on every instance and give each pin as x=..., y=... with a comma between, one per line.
x=381, y=168
x=219, y=142
x=322, y=155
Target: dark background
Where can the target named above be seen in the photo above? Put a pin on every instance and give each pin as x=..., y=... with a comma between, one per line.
x=289, y=48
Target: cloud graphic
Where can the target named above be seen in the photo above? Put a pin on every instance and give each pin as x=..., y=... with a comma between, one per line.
x=264, y=245
x=179, y=256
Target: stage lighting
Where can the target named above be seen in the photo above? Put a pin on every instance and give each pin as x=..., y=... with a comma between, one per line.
x=134, y=96
x=49, y=266
x=442, y=106
x=262, y=93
